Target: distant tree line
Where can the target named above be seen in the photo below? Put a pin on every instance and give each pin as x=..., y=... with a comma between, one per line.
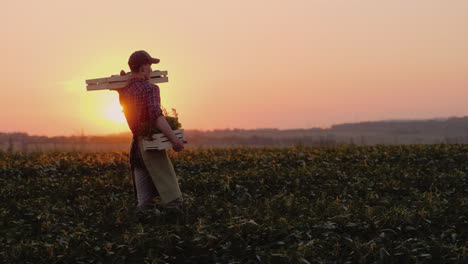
x=449, y=130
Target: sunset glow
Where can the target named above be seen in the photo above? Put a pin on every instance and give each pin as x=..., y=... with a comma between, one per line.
x=267, y=64
x=115, y=112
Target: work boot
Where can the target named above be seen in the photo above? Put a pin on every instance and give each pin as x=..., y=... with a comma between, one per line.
x=176, y=203
x=147, y=208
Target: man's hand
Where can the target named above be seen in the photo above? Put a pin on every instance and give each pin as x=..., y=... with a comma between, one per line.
x=122, y=73
x=177, y=145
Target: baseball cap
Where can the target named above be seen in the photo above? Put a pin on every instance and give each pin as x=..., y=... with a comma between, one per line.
x=139, y=58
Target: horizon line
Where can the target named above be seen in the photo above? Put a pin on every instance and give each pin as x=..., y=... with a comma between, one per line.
x=266, y=128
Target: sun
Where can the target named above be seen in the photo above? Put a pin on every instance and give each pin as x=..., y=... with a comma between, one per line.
x=115, y=113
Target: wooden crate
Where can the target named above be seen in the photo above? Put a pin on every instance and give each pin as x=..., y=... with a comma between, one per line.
x=161, y=142
x=117, y=81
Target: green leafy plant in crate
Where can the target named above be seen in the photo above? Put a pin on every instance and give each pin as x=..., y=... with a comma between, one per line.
x=149, y=128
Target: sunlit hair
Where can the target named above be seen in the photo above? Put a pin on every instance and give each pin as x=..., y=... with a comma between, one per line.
x=136, y=69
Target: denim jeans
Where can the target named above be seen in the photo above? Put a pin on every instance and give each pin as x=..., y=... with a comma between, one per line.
x=158, y=179
x=146, y=191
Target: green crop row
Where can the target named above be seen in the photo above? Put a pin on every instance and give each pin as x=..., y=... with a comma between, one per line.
x=342, y=204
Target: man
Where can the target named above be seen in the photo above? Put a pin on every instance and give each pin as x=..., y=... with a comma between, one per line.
x=152, y=171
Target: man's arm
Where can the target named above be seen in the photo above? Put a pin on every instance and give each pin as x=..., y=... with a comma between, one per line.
x=156, y=114
x=163, y=125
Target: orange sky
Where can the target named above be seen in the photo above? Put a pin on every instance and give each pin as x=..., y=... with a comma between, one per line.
x=235, y=64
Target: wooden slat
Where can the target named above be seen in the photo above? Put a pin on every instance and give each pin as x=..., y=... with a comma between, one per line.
x=162, y=137
x=118, y=85
x=118, y=78
x=161, y=142
x=159, y=146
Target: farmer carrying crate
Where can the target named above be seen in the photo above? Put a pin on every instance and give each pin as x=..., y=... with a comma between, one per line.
x=152, y=171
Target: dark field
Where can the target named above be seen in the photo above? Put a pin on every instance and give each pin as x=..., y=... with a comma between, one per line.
x=343, y=204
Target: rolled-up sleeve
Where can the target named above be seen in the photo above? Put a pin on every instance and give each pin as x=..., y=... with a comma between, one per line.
x=154, y=102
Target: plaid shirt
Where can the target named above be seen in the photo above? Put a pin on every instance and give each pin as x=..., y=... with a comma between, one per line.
x=141, y=102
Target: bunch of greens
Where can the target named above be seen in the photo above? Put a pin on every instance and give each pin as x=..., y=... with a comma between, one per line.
x=150, y=128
